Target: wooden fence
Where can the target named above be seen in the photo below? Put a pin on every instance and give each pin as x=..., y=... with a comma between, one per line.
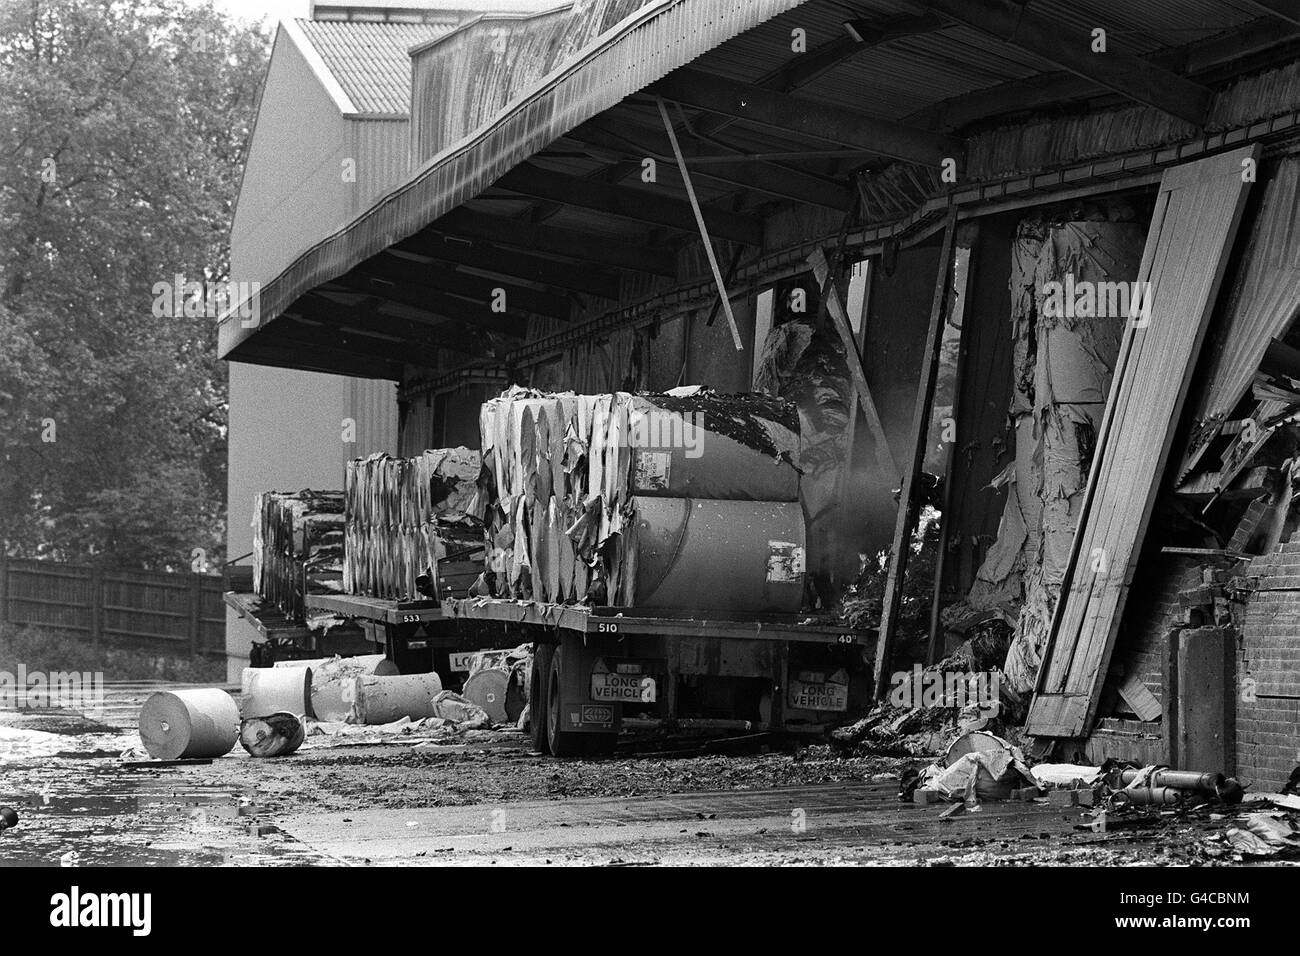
x=179, y=614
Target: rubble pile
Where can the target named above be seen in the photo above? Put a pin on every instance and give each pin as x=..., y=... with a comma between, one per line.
x=404, y=516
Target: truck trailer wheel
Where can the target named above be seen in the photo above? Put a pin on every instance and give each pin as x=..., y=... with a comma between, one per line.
x=537, y=701
x=560, y=742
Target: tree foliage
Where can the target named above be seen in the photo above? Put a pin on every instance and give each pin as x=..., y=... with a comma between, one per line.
x=123, y=126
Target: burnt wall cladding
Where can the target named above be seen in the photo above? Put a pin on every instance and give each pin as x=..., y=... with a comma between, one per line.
x=1268, y=668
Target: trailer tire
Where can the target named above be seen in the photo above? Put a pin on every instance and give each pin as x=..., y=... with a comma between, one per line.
x=537, y=699
x=567, y=743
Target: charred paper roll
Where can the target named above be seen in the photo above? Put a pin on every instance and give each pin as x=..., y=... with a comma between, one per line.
x=272, y=690
x=185, y=724
x=275, y=735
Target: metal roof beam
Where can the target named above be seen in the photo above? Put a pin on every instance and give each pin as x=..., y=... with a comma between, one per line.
x=570, y=243
x=480, y=290
x=640, y=205
x=805, y=117
x=1288, y=10
x=780, y=182
x=861, y=35
x=431, y=307
x=510, y=263
x=300, y=329
x=1071, y=49
x=339, y=307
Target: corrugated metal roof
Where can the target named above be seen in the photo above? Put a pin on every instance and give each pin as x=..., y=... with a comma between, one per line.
x=370, y=60
x=626, y=57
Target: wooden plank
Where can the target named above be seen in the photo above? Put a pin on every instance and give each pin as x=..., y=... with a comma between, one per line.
x=905, y=522
x=1197, y=213
x=1139, y=698
x=840, y=319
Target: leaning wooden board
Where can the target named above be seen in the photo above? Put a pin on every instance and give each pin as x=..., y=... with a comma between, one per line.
x=1196, y=216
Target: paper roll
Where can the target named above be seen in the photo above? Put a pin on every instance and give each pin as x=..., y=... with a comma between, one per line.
x=271, y=690
x=183, y=724
x=329, y=691
x=374, y=663
x=276, y=735
x=487, y=688
x=381, y=700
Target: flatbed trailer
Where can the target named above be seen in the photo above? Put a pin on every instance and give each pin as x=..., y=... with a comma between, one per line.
x=284, y=638
x=594, y=666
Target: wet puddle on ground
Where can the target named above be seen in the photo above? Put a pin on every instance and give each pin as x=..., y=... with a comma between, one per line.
x=93, y=811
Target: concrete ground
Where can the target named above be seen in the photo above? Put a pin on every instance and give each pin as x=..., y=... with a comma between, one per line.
x=485, y=798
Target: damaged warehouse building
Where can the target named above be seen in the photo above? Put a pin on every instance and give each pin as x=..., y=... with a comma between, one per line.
x=1026, y=274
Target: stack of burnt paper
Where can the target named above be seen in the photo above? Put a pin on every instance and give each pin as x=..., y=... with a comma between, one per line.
x=687, y=499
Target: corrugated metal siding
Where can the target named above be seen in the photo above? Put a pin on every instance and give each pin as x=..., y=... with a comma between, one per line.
x=644, y=47
x=371, y=60
x=372, y=405
x=380, y=150
x=471, y=75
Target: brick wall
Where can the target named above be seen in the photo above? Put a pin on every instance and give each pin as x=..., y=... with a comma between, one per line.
x=1268, y=670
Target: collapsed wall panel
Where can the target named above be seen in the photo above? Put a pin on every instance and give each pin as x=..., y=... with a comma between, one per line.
x=1197, y=213
x=1062, y=350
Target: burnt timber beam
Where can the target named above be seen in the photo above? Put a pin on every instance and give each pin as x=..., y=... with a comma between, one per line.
x=640, y=205
x=1288, y=10
x=510, y=263
x=1071, y=49
x=779, y=182
x=479, y=290
x=804, y=118
x=570, y=243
